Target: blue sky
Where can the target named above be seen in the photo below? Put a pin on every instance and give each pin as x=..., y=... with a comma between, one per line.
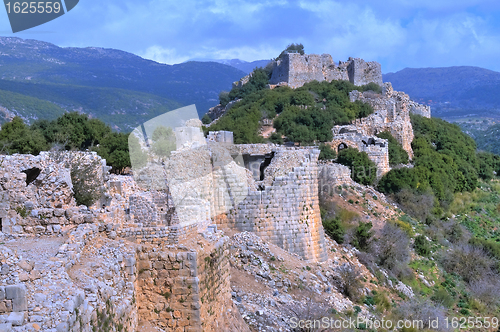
x=397, y=33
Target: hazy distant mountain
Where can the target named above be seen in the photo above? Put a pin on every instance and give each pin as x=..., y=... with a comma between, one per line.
x=121, y=88
x=242, y=65
x=451, y=91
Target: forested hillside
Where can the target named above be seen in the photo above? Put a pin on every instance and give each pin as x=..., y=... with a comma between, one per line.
x=121, y=88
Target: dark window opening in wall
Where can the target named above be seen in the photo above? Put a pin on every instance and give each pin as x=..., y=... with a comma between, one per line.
x=31, y=174
x=263, y=166
x=257, y=164
x=342, y=146
x=261, y=187
x=1, y=230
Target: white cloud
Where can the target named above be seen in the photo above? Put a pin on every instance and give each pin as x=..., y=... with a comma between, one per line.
x=163, y=55
x=397, y=33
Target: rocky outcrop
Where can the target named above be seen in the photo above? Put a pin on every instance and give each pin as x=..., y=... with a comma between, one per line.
x=392, y=111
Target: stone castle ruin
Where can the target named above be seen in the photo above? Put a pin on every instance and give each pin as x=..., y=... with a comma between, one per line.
x=392, y=109
x=295, y=70
x=150, y=248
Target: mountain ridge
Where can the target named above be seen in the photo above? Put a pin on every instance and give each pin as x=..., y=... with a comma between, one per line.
x=39, y=64
x=456, y=90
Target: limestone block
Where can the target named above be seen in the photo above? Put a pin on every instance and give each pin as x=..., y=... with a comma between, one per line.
x=6, y=327
x=16, y=318
x=17, y=293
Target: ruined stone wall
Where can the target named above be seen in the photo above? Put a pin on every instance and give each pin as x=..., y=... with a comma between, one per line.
x=185, y=290
x=36, y=192
x=286, y=211
x=362, y=72
x=391, y=113
x=376, y=148
x=419, y=109
x=295, y=70
x=332, y=175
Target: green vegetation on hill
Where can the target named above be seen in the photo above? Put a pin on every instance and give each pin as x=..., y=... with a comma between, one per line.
x=445, y=161
x=363, y=170
x=123, y=109
x=397, y=155
x=120, y=88
x=30, y=107
x=71, y=131
x=303, y=115
x=485, y=134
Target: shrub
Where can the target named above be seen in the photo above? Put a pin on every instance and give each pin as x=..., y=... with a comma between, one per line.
x=487, y=289
x=362, y=235
x=397, y=155
x=277, y=139
x=334, y=229
x=363, y=170
x=224, y=98
x=298, y=48
x=372, y=86
x=456, y=233
x=442, y=297
x=206, y=119
x=163, y=141
x=392, y=249
x=418, y=205
x=421, y=246
x=308, y=312
x=88, y=186
x=469, y=262
x=423, y=310
x=404, y=226
x=327, y=153
x=348, y=282
x=382, y=301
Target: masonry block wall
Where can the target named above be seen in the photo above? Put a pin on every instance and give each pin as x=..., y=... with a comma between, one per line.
x=286, y=212
x=295, y=70
x=376, y=148
x=36, y=192
x=391, y=113
x=182, y=290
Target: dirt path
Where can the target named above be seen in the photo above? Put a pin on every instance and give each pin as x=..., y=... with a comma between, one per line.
x=36, y=249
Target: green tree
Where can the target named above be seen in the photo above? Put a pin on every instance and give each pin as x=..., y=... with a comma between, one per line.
x=16, y=137
x=362, y=235
x=224, y=98
x=206, y=119
x=327, y=153
x=397, y=155
x=163, y=141
x=363, y=170
x=334, y=229
x=138, y=157
x=114, y=148
x=295, y=48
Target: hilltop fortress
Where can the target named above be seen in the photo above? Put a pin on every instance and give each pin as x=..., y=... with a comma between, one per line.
x=151, y=248
x=392, y=109
x=295, y=70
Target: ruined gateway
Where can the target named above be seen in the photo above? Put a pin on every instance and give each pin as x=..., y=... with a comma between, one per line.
x=151, y=249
